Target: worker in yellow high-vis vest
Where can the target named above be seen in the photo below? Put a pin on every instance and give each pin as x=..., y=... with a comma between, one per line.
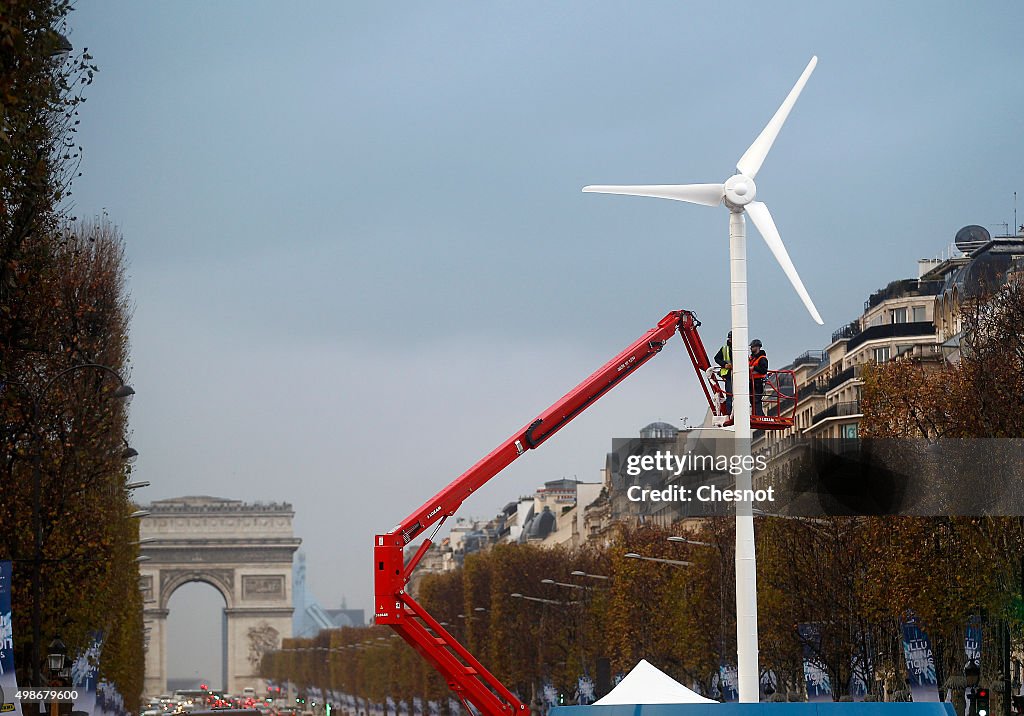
x=724, y=360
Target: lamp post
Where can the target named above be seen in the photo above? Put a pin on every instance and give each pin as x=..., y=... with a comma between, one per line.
x=580, y=573
x=123, y=391
x=721, y=598
x=661, y=560
x=56, y=658
x=580, y=618
x=685, y=540
x=564, y=584
x=517, y=595
x=538, y=703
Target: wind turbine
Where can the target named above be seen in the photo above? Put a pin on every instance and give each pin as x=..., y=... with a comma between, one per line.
x=738, y=193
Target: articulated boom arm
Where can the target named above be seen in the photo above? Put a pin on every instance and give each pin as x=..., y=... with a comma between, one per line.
x=394, y=606
x=447, y=501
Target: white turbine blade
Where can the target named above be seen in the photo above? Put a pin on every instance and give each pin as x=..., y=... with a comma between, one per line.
x=762, y=219
x=706, y=194
x=753, y=158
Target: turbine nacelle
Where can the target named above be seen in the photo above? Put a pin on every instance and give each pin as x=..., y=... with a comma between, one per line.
x=739, y=190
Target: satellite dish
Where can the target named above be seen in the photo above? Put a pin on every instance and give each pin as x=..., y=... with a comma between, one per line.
x=972, y=237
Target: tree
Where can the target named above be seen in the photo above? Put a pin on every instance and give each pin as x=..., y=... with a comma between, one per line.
x=61, y=426
x=814, y=575
x=40, y=92
x=947, y=570
x=62, y=304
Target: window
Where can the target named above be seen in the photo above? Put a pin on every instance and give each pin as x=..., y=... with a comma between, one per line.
x=850, y=431
x=899, y=315
x=900, y=350
x=882, y=354
x=919, y=314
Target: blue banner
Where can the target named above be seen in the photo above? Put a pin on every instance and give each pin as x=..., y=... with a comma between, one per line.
x=85, y=674
x=819, y=687
x=585, y=691
x=972, y=641
x=8, y=679
x=109, y=701
x=917, y=650
x=728, y=683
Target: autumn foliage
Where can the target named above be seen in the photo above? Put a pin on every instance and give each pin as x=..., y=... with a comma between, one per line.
x=63, y=311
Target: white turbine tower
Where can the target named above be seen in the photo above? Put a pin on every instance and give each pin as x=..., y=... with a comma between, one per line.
x=737, y=193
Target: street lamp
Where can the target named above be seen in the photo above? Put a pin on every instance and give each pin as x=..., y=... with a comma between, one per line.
x=55, y=656
x=721, y=592
x=579, y=618
x=57, y=661
x=564, y=584
x=517, y=595
x=671, y=562
x=684, y=540
x=579, y=573
x=122, y=392
x=541, y=661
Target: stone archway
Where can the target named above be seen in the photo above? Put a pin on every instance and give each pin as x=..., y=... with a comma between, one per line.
x=244, y=551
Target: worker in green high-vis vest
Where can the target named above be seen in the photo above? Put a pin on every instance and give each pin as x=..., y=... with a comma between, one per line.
x=724, y=360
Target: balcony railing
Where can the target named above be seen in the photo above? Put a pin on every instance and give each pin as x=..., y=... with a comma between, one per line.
x=810, y=358
x=837, y=410
x=849, y=374
x=892, y=330
x=812, y=389
x=848, y=331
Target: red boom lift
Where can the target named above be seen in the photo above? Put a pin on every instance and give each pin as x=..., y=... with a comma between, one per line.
x=393, y=605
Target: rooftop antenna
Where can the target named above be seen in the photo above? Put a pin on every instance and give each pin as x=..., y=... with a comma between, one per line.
x=737, y=194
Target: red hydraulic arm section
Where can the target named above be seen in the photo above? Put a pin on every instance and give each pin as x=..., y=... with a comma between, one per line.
x=394, y=606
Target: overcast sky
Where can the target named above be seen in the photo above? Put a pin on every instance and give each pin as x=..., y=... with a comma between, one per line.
x=360, y=257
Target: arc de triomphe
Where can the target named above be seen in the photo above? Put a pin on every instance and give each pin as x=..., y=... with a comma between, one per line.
x=244, y=551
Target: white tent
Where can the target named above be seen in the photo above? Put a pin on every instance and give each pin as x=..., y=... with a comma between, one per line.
x=647, y=684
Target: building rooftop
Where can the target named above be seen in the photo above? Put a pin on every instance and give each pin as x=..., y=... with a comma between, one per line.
x=659, y=430
x=903, y=288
